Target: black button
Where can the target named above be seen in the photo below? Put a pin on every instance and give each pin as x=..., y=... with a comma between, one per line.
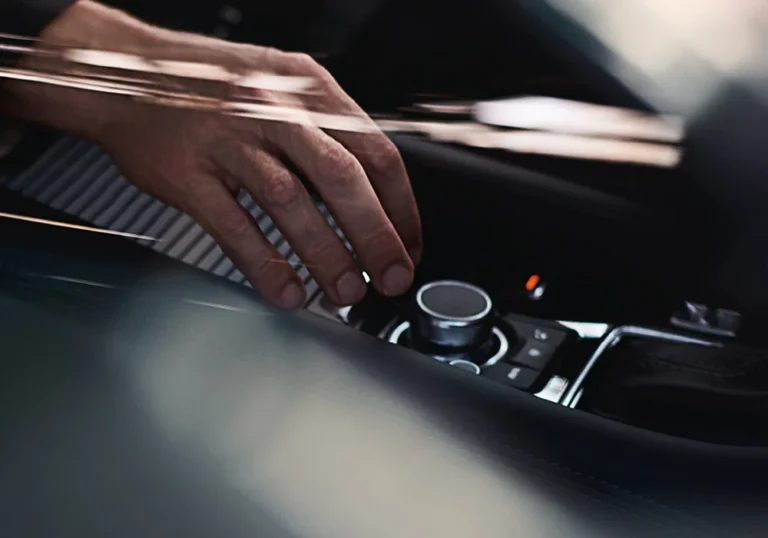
x=535, y=355
x=539, y=333
x=542, y=335
x=519, y=377
x=552, y=337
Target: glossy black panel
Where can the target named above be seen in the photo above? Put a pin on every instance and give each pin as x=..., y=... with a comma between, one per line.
x=170, y=403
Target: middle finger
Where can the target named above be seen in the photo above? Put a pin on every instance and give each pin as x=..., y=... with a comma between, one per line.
x=344, y=186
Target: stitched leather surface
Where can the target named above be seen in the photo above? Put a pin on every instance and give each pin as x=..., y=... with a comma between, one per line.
x=716, y=394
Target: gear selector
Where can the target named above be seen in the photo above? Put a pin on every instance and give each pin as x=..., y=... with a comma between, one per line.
x=453, y=315
x=453, y=322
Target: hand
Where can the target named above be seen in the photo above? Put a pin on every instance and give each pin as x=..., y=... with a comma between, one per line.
x=198, y=162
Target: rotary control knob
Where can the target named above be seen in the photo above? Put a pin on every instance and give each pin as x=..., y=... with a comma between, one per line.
x=452, y=315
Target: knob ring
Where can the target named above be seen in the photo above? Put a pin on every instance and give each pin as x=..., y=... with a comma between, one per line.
x=454, y=321
x=400, y=331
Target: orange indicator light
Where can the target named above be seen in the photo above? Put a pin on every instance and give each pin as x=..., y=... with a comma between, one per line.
x=533, y=281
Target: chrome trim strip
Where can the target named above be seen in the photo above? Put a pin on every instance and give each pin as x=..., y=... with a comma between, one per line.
x=554, y=389
x=399, y=330
x=469, y=367
x=586, y=329
x=503, y=348
x=571, y=397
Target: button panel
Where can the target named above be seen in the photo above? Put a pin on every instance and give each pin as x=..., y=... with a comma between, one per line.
x=538, y=342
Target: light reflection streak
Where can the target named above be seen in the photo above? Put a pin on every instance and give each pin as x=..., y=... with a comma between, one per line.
x=543, y=126
x=572, y=117
x=543, y=143
x=77, y=227
x=71, y=280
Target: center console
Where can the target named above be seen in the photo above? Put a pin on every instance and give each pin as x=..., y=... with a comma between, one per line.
x=664, y=378
x=456, y=323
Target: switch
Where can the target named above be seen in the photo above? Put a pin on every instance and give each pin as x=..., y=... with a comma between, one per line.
x=542, y=335
x=512, y=375
x=535, y=355
x=537, y=333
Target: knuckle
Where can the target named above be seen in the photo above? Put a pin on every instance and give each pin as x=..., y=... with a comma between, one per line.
x=379, y=244
x=341, y=167
x=281, y=191
x=325, y=250
x=303, y=62
x=384, y=156
x=235, y=225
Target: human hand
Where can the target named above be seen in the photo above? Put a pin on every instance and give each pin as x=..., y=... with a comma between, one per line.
x=198, y=161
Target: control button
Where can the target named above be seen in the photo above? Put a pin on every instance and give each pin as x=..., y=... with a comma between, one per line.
x=542, y=335
x=519, y=377
x=534, y=355
x=452, y=314
x=538, y=333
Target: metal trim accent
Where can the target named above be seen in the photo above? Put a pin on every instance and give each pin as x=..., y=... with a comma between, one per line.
x=454, y=321
x=572, y=396
x=503, y=348
x=466, y=366
x=586, y=329
x=399, y=330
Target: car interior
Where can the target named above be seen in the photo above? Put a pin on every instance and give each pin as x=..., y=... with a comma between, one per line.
x=582, y=353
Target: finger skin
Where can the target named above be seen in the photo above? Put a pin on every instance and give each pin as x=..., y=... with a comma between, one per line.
x=233, y=228
x=377, y=154
x=385, y=169
x=343, y=185
x=281, y=194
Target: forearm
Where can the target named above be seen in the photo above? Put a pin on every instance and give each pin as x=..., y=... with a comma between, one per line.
x=86, y=24
x=90, y=25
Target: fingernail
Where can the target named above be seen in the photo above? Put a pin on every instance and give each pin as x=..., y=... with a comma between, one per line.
x=293, y=297
x=351, y=288
x=397, y=280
